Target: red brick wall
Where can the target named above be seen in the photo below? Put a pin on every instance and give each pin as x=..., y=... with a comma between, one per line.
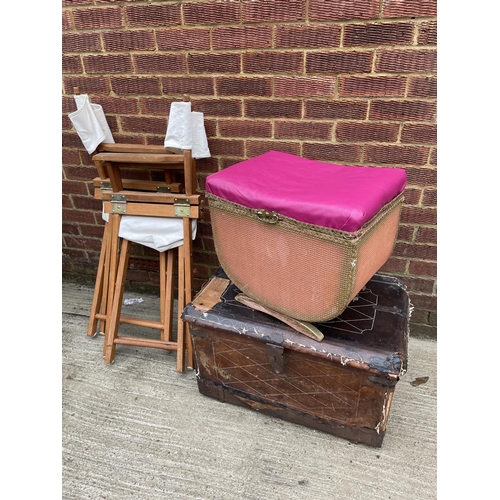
x=345, y=81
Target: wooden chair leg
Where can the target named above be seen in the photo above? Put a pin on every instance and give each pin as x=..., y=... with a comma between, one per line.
x=106, y=281
x=113, y=322
x=97, y=300
x=181, y=328
x=162, y=259
x=188, y=287
x=166, y=293
x=113, y=247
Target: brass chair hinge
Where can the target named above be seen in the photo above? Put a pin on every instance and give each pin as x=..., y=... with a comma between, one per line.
x=182, y=207
x=118, y=204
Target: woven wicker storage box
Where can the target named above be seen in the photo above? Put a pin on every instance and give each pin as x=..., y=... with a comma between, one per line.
x=303, y=237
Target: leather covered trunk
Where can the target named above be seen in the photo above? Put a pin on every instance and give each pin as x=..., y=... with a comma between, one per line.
x=342, y=385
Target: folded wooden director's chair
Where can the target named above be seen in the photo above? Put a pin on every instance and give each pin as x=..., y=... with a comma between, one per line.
x=123, y=194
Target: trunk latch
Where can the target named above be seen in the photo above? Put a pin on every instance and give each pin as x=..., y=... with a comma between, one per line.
x=275, y=357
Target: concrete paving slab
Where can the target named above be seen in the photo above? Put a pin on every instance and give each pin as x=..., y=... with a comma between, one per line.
x=137, y=429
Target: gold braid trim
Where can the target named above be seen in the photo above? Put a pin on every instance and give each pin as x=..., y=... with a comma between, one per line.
x=304, y=228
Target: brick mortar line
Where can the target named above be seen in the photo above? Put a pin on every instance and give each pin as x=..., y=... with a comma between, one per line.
x=272, y=75
x=211, y=27
x=329, y=141
x=381, y=20
x=255, y=50
x=236, y=97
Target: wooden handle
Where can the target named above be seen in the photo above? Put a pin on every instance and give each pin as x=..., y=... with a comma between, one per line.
x=303, y=327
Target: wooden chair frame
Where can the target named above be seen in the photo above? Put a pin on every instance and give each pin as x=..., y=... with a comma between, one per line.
x=125, y=196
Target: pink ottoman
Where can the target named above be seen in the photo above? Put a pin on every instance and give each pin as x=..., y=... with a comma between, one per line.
x=303, y=237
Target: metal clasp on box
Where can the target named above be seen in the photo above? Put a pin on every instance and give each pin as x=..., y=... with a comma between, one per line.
x=268, y=217
x=118, y=204
x=182, y=207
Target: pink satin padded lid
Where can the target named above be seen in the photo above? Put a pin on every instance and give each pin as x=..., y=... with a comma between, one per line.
x=336, y=196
